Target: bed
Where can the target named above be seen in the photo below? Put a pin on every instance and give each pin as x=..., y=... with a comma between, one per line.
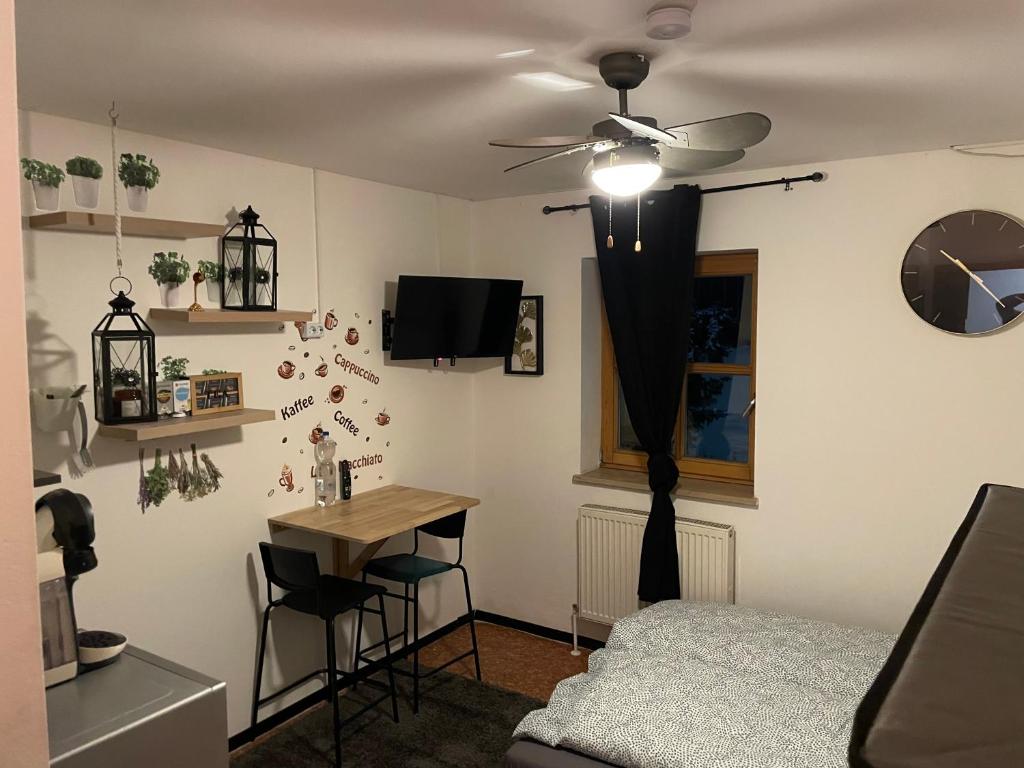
x=692, y=685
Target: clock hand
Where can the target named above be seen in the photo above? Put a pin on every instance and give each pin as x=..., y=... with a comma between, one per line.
x=973, y=277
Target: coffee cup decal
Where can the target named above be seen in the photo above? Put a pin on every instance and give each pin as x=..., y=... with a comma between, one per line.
x=321, y=370
x=316, y=434
x=383, y=418
x=330, y=321
x=287, y=481
x=337, y=393
x=352, y=337
x=286, y=369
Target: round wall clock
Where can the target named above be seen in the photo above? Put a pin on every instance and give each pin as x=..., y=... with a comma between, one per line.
x=965, y=272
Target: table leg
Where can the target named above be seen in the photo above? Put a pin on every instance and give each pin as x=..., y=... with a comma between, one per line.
x=340, y=549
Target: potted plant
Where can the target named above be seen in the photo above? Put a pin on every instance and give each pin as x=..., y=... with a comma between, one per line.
x=173, y=368
x=139, y=175
x=46, y=180
x=214, y=273
x=169, y=270
x=85, y=176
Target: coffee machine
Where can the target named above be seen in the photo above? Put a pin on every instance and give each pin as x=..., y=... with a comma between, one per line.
x=64, y=537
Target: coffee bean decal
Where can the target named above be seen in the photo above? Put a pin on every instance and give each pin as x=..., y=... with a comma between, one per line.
x=305, y=354
x=291, y=348
x=302, y=376
x=284, y=439
x=270, y=493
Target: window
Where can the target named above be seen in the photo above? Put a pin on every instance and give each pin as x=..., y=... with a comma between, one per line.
x=714, y=437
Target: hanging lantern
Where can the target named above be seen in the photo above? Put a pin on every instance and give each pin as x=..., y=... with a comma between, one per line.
x=124, y=365
x=248, y=259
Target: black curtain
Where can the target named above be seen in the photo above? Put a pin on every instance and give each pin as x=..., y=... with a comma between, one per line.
x=648, y=298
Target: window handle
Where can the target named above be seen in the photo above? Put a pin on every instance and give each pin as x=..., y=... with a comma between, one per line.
x=750, y=407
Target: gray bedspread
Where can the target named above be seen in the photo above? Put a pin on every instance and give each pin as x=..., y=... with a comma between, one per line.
x=706, y=685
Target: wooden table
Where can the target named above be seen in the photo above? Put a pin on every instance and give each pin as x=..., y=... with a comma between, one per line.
x=371, y=518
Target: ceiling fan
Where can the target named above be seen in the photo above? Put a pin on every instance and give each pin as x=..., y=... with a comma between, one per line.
x=631, y=152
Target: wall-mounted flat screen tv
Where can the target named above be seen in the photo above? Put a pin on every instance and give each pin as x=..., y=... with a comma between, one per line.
x=445, y=317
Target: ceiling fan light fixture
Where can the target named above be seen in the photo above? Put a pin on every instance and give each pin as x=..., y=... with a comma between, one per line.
x=626, y=171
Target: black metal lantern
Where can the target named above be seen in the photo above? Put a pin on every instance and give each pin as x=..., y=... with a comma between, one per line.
x=124, y=366
x=248, y=260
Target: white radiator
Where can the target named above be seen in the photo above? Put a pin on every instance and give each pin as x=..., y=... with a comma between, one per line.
x=609, y=541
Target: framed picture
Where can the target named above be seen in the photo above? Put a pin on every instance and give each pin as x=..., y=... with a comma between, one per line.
x=527, y=358
x=216, y=393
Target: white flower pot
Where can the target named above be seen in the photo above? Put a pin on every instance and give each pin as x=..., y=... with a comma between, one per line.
x=87, y=191
x=169, y=294
x=47, y=198
x=138, y=198
x=213, y=291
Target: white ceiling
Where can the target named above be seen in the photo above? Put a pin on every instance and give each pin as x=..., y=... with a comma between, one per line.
x=408, y=92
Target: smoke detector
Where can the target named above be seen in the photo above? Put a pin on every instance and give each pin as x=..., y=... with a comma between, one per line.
x=670, y=22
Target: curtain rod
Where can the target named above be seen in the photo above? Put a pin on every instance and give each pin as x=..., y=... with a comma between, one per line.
x=816, y=176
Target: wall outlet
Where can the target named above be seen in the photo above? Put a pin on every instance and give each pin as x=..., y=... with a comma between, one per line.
x=312, y=331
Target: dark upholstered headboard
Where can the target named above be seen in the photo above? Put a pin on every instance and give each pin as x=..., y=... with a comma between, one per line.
x=952, y=691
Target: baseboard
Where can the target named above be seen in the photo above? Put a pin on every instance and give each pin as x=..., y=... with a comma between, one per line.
x=538, y=629
x=271, y=722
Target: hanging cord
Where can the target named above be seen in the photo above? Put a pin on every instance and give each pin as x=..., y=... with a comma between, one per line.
x=113, y=176
x=611, y=240
x=637, y=247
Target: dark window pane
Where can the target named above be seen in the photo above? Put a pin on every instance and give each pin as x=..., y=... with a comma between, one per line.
x=721, y=328
x=627, y=439
x=715, y=426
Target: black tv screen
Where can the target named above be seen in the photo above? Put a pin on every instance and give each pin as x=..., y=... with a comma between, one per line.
x=443, y=317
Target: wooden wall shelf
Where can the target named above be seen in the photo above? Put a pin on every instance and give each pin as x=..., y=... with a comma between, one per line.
x=189, y=425
x=41, y=478
x=137, y=226
x=228, y=317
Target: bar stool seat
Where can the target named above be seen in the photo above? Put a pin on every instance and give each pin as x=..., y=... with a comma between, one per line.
x=409, y=570
x=405, y=568
x=334, y=596
x=306, y=590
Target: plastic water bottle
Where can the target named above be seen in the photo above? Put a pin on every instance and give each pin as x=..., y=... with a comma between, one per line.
x=326, y=474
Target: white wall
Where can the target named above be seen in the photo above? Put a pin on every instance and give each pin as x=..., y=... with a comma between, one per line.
x=184, y=580
x=874, y=430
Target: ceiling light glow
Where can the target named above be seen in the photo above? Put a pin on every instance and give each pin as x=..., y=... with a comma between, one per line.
x=626, y=171
x=515, y=54
x=552, y=81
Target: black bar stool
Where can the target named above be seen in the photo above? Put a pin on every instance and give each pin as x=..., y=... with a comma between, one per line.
x=409, y=570
x=308, y=591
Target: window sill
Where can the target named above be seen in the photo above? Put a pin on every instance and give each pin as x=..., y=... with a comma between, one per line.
x=733, y=494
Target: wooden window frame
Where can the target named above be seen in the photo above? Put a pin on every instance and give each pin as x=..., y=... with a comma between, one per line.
x=715, y=263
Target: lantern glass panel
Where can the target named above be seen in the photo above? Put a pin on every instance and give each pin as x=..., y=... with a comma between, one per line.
x=98, y=381
x=233, y=272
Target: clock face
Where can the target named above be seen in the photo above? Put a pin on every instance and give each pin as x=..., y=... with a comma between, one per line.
x=965, y=273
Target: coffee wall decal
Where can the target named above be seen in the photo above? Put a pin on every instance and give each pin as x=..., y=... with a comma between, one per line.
x=296, y=408
x=337, y=393
x=286, y=369
x=345, y=422
x=356, y=370
x=352, y=337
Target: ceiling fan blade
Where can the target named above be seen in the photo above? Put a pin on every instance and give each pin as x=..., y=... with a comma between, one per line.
x=722, y=133
x=679, y=162
x=543, y=141
x=553, y=155
x=642, y=130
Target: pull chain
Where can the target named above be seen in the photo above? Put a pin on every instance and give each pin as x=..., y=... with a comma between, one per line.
x=611, y=240
x=637, y=247
x=113, y=175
